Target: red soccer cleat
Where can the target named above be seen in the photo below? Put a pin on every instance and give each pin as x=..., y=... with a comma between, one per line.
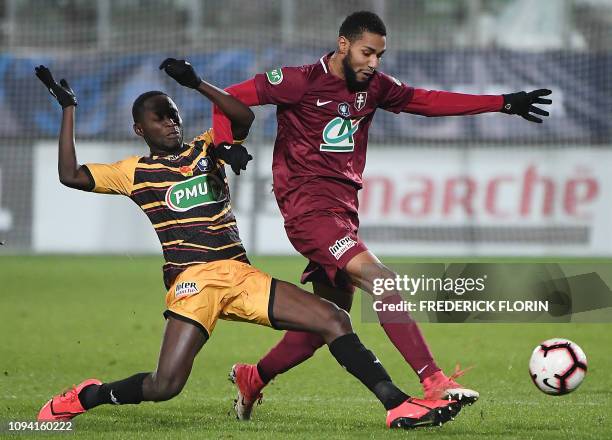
x=65, y=406
x=415, y=413
x=439, y=386
x=249, y=386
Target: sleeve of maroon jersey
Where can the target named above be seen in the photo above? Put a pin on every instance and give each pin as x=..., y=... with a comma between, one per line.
x=393, y=95
x=222, y=127
x=440, y=103
x=282, y=86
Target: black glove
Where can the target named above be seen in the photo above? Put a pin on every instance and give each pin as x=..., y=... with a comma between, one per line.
x=234, y=155
x=181, y=71
x=62, y=91
x=521, y=103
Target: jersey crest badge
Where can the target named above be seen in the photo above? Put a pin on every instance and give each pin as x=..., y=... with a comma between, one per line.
x=275, y=76
x=344, y=110
x=360, y=100
x=204, y=164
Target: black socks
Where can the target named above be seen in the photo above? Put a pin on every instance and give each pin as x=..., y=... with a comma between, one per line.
x=119, y=393
x=361, y=363
x=347, y=349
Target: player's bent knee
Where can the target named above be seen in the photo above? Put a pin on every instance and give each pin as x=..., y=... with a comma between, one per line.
x=338, y=321
x=345, y=321
x=167, y=388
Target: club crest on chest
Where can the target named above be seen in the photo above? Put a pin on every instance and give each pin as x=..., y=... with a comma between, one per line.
x=360, y=100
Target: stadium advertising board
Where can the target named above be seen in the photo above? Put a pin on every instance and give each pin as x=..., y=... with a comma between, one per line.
x=15, y=197
x=415, y=201
x=479, y=201
x=72, y=221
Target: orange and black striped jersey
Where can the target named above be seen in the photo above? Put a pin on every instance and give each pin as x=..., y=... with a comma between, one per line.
x=186, y=198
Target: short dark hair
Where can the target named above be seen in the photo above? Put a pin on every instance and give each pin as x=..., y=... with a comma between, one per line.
x=138, y=106
x=359, y=22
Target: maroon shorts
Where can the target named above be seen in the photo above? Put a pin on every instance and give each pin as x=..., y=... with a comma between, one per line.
x=329, y=240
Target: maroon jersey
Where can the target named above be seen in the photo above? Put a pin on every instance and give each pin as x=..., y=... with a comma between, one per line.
x=320, y=148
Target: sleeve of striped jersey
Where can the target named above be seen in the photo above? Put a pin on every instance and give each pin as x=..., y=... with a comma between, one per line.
x=206, y=137
x=114, y=178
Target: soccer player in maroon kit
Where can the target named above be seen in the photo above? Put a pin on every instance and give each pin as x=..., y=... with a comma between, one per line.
x=324, y=111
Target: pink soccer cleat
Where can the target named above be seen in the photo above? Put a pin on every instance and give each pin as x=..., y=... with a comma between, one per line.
x=439, y=386
x=65, y=406
x=415, y=413
x=249, y=386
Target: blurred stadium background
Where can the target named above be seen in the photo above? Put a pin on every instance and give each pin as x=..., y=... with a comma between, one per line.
x=484, y=185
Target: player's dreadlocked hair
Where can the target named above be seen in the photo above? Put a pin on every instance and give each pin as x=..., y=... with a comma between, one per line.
x=359, y=22
x=138, y=106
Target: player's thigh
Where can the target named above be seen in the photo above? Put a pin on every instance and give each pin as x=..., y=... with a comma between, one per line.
x=199, y=293
x=364, y=268
x=181, y=342
x=341, y=297
x=328, y=239
x=296, y=309
x=250, y=297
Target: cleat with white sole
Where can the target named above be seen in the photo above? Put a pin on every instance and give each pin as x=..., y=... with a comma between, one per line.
x=438, y=386
x=249, y=386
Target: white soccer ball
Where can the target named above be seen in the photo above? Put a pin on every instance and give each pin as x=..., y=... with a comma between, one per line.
x=557, y=366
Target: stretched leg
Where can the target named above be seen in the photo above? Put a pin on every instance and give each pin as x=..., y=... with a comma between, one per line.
x=181, y=343
x=294, y=309
x=295, y=347
x=401, y=329
x=405, y=334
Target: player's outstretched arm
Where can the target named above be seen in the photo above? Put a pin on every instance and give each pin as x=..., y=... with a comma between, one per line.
x=70, y=173
x=442, y=103
x=240, y=115
x=246, y=92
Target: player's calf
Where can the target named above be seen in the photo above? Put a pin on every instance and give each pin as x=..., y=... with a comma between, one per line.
x=158, y=388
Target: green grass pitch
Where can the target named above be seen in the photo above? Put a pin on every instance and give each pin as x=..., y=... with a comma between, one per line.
x=65, y=319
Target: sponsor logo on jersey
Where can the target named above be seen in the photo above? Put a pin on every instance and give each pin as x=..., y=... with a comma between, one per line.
x=204, y=164
x=197, y=191
x=322, y=103
x=344, y=110
x=340, y=247
x=275, y=76
x=360, y=100
x=185, y=288
x=186, y=171
x=338, y=135
x=173, y=157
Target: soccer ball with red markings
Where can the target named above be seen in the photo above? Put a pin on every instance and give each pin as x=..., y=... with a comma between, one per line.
x=557, y=366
